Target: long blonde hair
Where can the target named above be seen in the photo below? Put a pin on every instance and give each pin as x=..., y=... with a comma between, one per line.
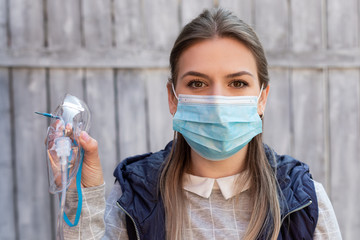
x=265, y=217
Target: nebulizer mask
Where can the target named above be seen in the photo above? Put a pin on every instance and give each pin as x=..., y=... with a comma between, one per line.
x=64, y=153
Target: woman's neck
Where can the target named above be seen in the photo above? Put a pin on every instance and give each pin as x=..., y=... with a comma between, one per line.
x=217, y=169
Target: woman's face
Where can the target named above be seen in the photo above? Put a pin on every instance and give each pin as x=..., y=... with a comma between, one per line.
x=219, y=66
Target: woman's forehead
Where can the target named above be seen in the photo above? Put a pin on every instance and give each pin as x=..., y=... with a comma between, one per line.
x=225, y=55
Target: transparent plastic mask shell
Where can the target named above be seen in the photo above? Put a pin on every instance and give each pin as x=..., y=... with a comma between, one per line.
x=74, y=117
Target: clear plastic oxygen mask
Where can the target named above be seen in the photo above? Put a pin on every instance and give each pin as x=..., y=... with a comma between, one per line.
x=70, y=118
x=64, y=153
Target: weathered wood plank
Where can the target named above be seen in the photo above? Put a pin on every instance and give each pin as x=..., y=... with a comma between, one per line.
x=306, y=25
x=191, y=9
x=64, y=29
x=3, y=24
x=152, y=58
x=26, y=24
x=276, y=36
x=128, y=25
x=343, y=24
x=132, y=113
x=82, y=58
x=308, y=108
x=62, y=81
x=344, y=98
x=32, y=184
x=161, y=22
x=7, y=221
x=97, y=24
x=97, y=21
x=100, y=95
x=145, y=25
x=343, y=33
x=277, y=120
x=242, y=9
x=159, y=117
x=309, y=91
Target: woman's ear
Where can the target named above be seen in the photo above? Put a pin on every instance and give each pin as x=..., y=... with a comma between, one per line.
x=172, y=101
x=262, y=101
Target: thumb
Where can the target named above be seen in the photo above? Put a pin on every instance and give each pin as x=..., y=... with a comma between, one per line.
x=89, y=145
x=92, y=172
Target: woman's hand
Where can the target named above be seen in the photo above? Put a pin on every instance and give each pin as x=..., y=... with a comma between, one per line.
x=92, y=174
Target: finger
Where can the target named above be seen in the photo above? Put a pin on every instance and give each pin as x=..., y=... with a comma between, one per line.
x=69, y=131
x=55, y=130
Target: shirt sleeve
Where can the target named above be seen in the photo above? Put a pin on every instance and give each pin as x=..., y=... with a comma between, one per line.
x=99, y=219
x=91, y=223
x=115, y=219
x=327, y=226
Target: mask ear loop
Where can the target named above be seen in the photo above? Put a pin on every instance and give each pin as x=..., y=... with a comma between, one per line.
x=263, y=113
x=172, y=86
x=173, y=89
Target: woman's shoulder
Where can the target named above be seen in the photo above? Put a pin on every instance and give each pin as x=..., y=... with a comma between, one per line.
x=148, y=162
x=284, y=164
x=327, y=226
x=295, y=182
x=146, y=158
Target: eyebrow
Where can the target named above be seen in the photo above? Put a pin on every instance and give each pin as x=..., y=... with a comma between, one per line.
x=196, y=74
x=202, y=75
x=239, y=74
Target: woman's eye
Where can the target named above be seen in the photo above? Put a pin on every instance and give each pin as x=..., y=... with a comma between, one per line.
x=237, y=84
x=196, y=84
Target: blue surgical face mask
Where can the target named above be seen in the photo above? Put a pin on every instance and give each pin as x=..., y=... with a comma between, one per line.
x=217, y=127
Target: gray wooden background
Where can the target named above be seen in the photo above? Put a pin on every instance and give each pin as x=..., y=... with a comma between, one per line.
x=114, y=55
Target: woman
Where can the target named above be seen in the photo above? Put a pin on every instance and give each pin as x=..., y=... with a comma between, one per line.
x=216, y=180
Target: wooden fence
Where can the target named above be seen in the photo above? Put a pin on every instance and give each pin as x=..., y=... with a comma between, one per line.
x=114, y=55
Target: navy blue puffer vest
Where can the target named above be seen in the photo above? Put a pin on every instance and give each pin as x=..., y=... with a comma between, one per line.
x=142, y=203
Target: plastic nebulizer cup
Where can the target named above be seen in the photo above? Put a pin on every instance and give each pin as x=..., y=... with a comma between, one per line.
x=67, y=121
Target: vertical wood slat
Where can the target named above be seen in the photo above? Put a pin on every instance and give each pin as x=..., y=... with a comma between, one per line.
x=276, y=36
x=64, y=27
x=161, y=24
x=32, y=185
x=306, y=25
x=26, y=24
x=97, y=24
x=309, y=92
x=27, y=33
x=159, y=117
x=344, y=96
x=128, y=27
x=62, y=81
x=345, y=144
x=277, y=121
x=101, y=101
x=132, y=113
x=308, y=111
x=7, y=221
x=343, y=24
x=191, y=9
x=3, y=24
x=242, y=9
x=145, y=25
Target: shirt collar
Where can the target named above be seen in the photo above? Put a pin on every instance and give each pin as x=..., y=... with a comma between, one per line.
x=229, y=186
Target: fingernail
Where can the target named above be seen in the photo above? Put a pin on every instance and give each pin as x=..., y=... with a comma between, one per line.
x=85, y=136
